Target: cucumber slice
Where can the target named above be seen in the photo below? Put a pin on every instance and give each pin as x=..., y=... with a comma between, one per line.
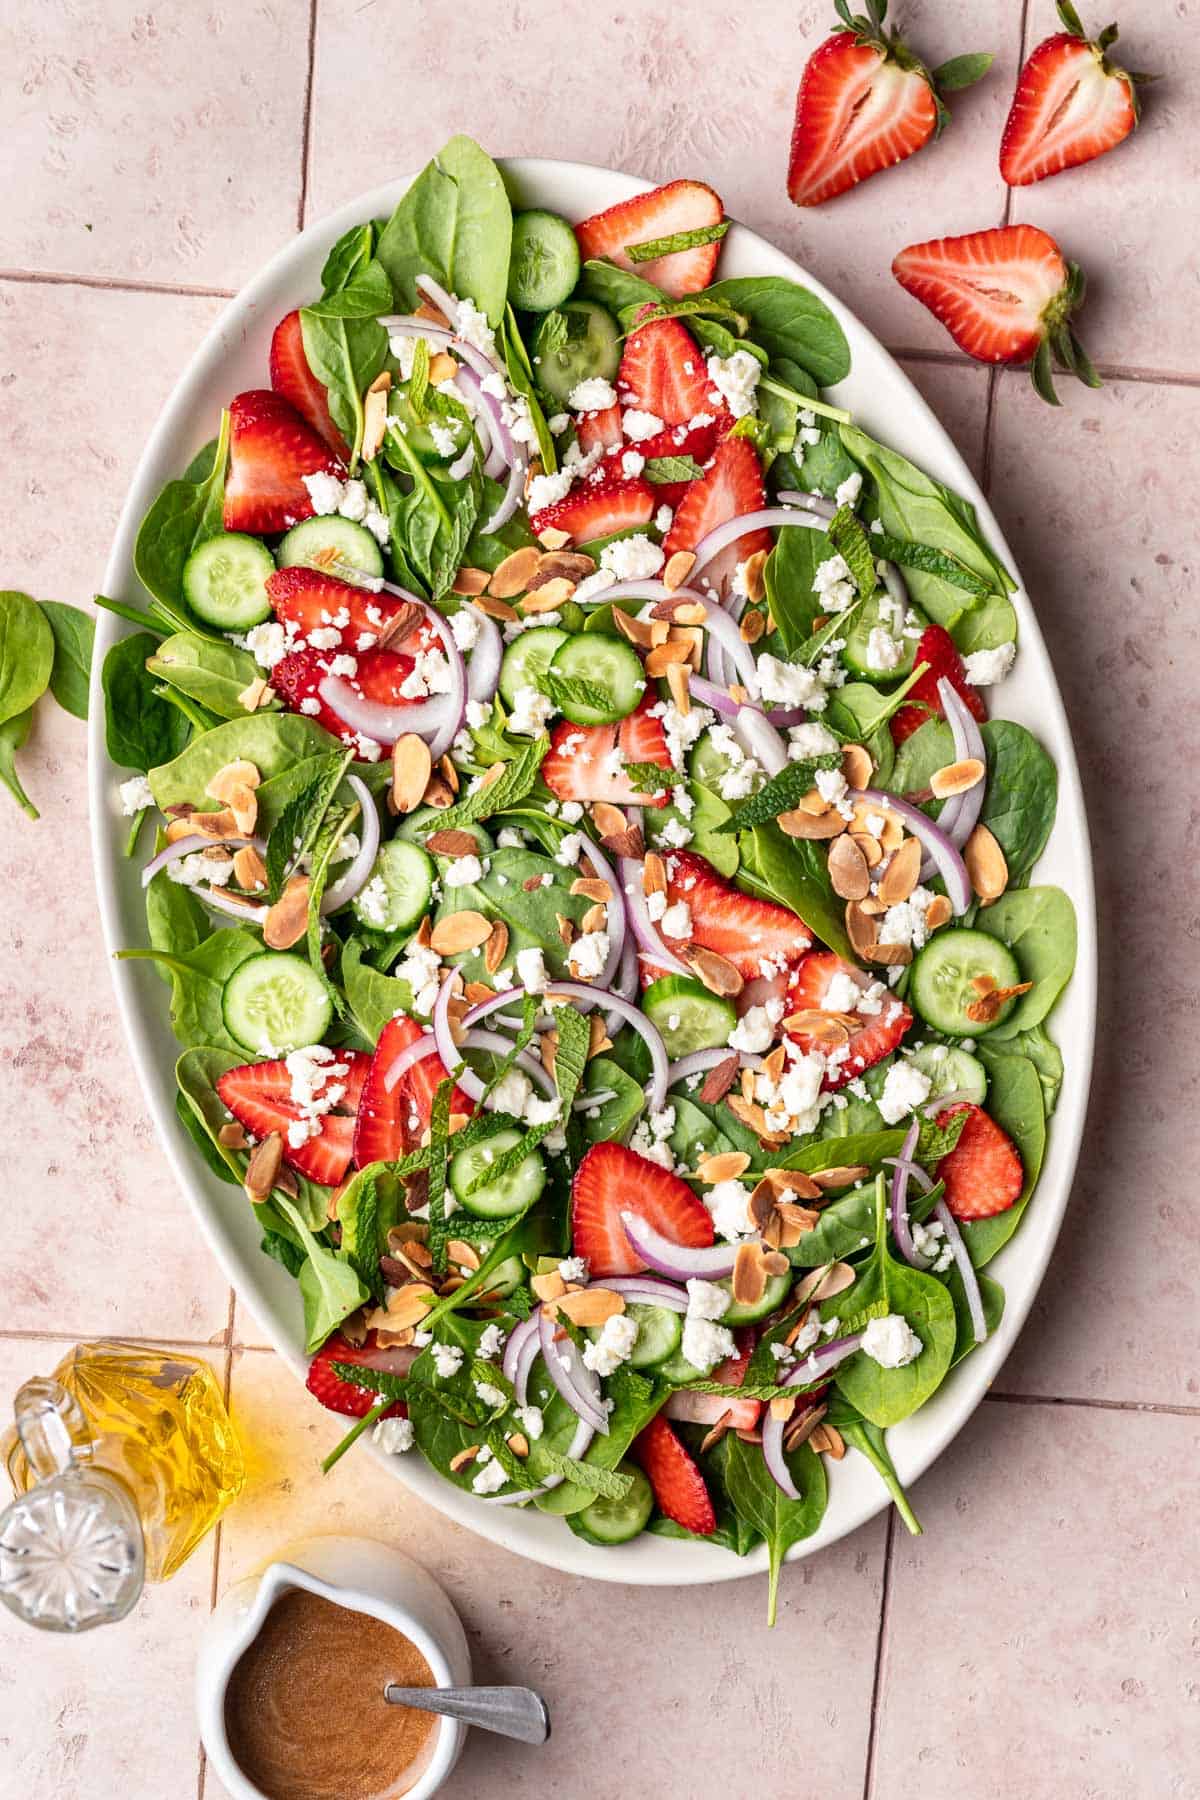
x=941, y=980
x=225, y=581
x=506, y=1278
x=660, y=1332
x=592, y=347
x=709, y=766
x=879, y=614
x=951, y=1070
x=527, y=659
x=607, y=662
x=544, y=263
x=616, y=1521
x=745, y=1312
x=687, y=1015
x=509, y=1194
x=415, y=827
x=276, y=1002
x=679, y=1371
x=398, y=890
x=313, y=539
x=434, y=436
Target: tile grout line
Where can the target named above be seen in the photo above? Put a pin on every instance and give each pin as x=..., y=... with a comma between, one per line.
x=1128, y=1406
x=306, y=122
x=885, y=1594
x=115, y=284
x=989, y=414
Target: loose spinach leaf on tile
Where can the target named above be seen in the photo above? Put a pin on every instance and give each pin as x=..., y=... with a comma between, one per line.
x=26, y=653
x=140, y=730
x=13, y=735
x=782, y=1522
x=74, y=634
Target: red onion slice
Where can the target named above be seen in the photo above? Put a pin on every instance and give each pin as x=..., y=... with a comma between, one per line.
x=901, y=1229
x=697, y=1063
x=640, y=922
x=471, y=1084
x=714, y=694
x=817, y=1364
x=625, y=984
x=355, y=877
x=520, y=1354
x=445, y=302
x=966, y=1269
x=679, y=1261
x=484, y=415
x=949, y=863
x=816, y=503
x=773, y=1455
x=495, y=1045
x=483, y=668
x=375, y=719
x=589, y=996
x=761, y=739
x=644, y=1290
x=769, y=517
x=247, y=911
x=578, y=1385
x=615, y=921
x=512, y=497
x=412, y=1053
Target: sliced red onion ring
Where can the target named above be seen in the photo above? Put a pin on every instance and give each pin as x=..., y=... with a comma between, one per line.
x=773, y=1455
x=485, y=1008
x=520, y=1354
x=818, y=1363
x=512, y=497
x=578, y=1385
x=355, y=877
x=483, y=669
x=375, y=719
x=445, y=302
x=640, y=923
x=816, y=503
x=713, y=693
x=696, y=1064
x=896, y=586
x=410, y=325
x=901, y=1230
x=625, y=985
x=679, y=1261
x=761, y=739
x=483, y=411
x=247, y=910
x=412, y=1053
x=187, y=846
x=461, y=466
x=645, y=1291
x=471, y=1084
x=966, y=1269
x=939, y=1104
x=576, y=1449
x=589, y=996
x=961, y=812
x=769, y=517
x=495, y=1045
x=949, y=863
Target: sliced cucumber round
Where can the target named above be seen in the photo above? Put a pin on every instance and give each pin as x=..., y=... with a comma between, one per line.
x=592, y=347
x=312, y=541
x=544, y=263
x=952, y=1071
x=660, y=1332
x=709, y=766
x=880, y=613
x=527, y=659
x=397, y=892
x=687, y=1015
x=505, y=1278
x=943, y=977
x=679, y=1371
x=745, y=1312
x=508, y=1194
x=225, y=581
x=608, y=664
x=276, y=1002
x=616, y=1521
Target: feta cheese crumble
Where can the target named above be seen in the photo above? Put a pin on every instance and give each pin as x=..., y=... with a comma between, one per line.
x=891, y=1341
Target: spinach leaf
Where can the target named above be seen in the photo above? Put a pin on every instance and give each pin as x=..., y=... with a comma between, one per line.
x=329, y=1286
x=175, y=919
x=885, y=1396
x=708, y=814
x=198, y=978
x=781, y=794
x=273, y=742
x=1022, y=794
x=794, y=873
x=869, y=1441
x=1015, y=1101
x=789, y=321
x=857, y=710
x=345, y=354
x=13, y=734
x=697, y=1132
x=1040, y=1049
x=140, y=730
x=757, y=1498
x=430, y=528
x=214, y=672
x=930, y=747
x=487, y=550
x=185, y=514
x=1038, y=925
x=521, y=378
x=352, y=251
x=992, y=1296
x=74, y=633
x=788, y=575
x=613, y=1117
x=196, y=1074
x=454, y=223
x=26, y=653
x=364, y=293
x=372, y=998
x=367, y=1209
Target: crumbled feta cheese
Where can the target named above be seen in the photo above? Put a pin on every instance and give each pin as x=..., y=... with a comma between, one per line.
x=904, y=923
x=558, y=423
x=393, y=1435
x=986, y=667
x=705, y=1344
x=633, y=558
x=531, y=709
x=810, y=740
x=490, y=1478
x=728, y=1203
x=588, y=955
x=135, y=795
x=843, y=993
x=547, y=490
x=847, y=494
x=511, y=1094
x=574, y=1268
x=325, y=492
x=614, y=1346
x=904, y=1087
x=788, y=684
x=675, y=834
x=464, y=871
x=532, y=1422
x=447, y=1359
x=632, y=464
x=706, y=1300
x=472, y=326
x=267, y=643
x=490, y=1394
x=419, y=967
x=680, y=729
x=831, y=785
x=542, y=1112
x=638, y=426
x=354, y=502
x=593, y=395
x=735, y=378
x=445, y=441
x=754, y=1032
x=531, y=970
x=677, y=920
x=567, y=854
x=466, y=628
x=491, y=1342
x=663, y=518
x=373, y=902
x=883, y=652
x=891, y=1341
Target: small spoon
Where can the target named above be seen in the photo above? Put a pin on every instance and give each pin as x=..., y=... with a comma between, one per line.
x=515, y=1712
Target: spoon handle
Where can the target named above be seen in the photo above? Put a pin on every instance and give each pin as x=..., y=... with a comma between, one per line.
x=515, y=1712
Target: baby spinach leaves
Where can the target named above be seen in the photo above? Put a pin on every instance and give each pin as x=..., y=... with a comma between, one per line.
x=273, y=742
x=454, y=223
x=430, y=529
x=1038, y=925
x=27, y=654
x=346, y=353
x=140, y=729
x=185, y=514
x=373, y=998
x=74, y=634
x=1015, y=1102
x=794, y=872
x=789, y=321
x=198, y=978
x=788, y=575
x=868, y=1440
x=1022, y=794
x=762, y=1503
x=329, y=1285
x=209, y=670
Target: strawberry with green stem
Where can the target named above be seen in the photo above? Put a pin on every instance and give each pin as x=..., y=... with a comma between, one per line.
x=1072, y=104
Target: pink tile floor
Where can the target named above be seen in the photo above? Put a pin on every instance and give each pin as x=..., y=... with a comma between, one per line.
x=1042, y=1638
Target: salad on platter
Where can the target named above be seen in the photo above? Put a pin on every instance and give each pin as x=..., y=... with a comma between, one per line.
x=596, y=902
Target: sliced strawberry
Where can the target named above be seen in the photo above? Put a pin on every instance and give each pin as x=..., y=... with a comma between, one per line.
x=874, y=1035
x=585, y=762
x=983, y=1172
x=738, y=927
x=678, y=1484
x=271, y=449
x=392, y=1121
x=379, y=676
x=259, y=1095
x=1071, y=105
x=707, y=1409
x=732, y=484
x=858, y=110
x=663, y=372
x=695, y=441
x=1005, y=296
x=597, y=510
x=612, y=1179
x=347, y=1397
x=603, y=428
x=292, y=377
x=665, y=211
x=938, y=649
x=309, y=600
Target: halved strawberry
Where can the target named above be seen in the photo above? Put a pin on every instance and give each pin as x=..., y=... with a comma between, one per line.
x=706, y=1409
x=696, y=441
x=595, y=511
x=1071, y=104
x=665, y=211
x=874, y=1035
x=310, y=600
x=738, y=927
x=732, y=484
x=938, y=649
x=347, y=1397
x=586, y=762
x=379, y=676
x=259, y=1095
x=611, y=1180
x=271, y=449
x=292, y=377
x=983, y=1172
x=1005, y=296
x=677, y=1482
x=663, y=372
x=603, y=428
x=391, y=1122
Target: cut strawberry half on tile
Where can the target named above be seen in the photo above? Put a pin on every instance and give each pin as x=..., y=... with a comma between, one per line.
x=309, y=600
x=938, y=649
x=292, y=377
x=742, y=929
x=271, y=450
x=983, y=1173
x=596, y=510
x=872, y=1035
x=586, y=762
x=611, y=1179
x=1072, y=103
x=342, y=1396
x=379, y=676
x=259, y=1095
x=709, y=1409
x=858, y=110
x=392, y=1121
x=677, y=1482
x=732, y=484
x=603, y=428
x=664, y=212
x=663, y=372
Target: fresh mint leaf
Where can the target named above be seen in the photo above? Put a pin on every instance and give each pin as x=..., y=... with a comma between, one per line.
x=662, y=470
x=607, y=1483
x=651, y=778
x=296, y=828
x=418, y=381
x=652, y=248
x=439, y=1131
x=814, y=647
x=553, y=332
x=935, y=1141
x=509, y=789
x=848, y=537
x=572, y=690
x=931, y=562
x=781, y=794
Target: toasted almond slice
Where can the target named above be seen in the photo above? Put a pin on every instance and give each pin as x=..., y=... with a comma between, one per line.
x=591, y=887
x=654, y=874
x=232, y=1135
x=595, y=918
x=375, y=410
x=409, y=1304
x=795, y=1221
x=249, y=869
x=678, y=568
x=661, y=659
x=752, y=626
x=566, y=928
x=957, y=777
x=495, y=947
x=530, y=883
x=451, y=843
x=460, y=931
x=902, y=873
x=814, y=826
x=287, y=921
x=824, y=1283
x=591, y=1305
x=608, y=820
x=568, y=565
x=749, y=1276
x=754, y=1118
x=861, y=928
x=463, y=1458
x=718, y=1430
x=549, y=597
x=628, y=843
x=719, y=1080
x=783, y=1406
x=464, y=1254
x=240, y=773
x=804, y=1427
x=512, y=576
x=848, y=871
x=843, y=1176
x=986, y=865
x=598, y=1038
x=393, y=631
x=412, y=767
x=549, y=1286
x=738, y=692
x=677, y=684
x=548, y=1051
x=262, y=1171
x=254, y=696
x=773, y=1064
x=793, y=1181
x=243, y=804
x=470, y=581
x=553, y=538
x=716, y=972
x=217, y=825
x=442, y=367
x=827, y=1440
x=693, y=637
x=497, y=609
x=857, y=766
x=984, y=984
x=889, y=955
x=518, y=1443
x=181, y=826
x=874, y=906
x=725, y=1165
x=635, y=631
x=491, y=775
x=938, y=912
x=870, y=846
x=752, y=575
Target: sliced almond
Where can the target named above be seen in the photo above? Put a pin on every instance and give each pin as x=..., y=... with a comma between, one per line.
x=181, y=827
x=870, y=846
x=287, y=921
x=957, y=777
x=217, y=825
x=718, y=1430
x=635, y=631
x=985, y=865
x=629, y=842
x=848, y=871
x=773, y=1064
x=813, y=826
x=470, y=581
x=518, y=1443
x=598, y=1038
x=680, y=691
x=255, y=695
x=460, y=931
x=442, y=367
x=591, y=887
x=497, y=609
x=857, y=766
x=845, y=1175
x=451, y=843
x=549, y=1286
x=591, y=1306
x=755, y=1119
x=595, y=918
x=262, y=1171
x=783, y=1406
x=726, y=1165
x=249, y=869
x=232, y=776
x=804, y=1427
x=393, y=631
x=752, y=575
x=827, y=1440
x=464, y=1254
x=989, y=1005
x=678, y=568
x=861, y=929
x=412, y=768
x=608, y=820
x=902, y=873
x=824, y=1283
x=553, y=538
x=938, y=912
x=232, y=1135
x=495, y=947
x=791, y=1181
x=693, y=638
x=565, y=565
x=408, y=1305
x=654, y=874
x=666, y=655
x=548, y=598
x=716, y=972
x=375, y=409
x=548, y=1051
x=752, y=625
x=749, y=1276
x=462, y=1459
x=566, y=928
x=512, y=576
x=890, y=955
x=719, y=1080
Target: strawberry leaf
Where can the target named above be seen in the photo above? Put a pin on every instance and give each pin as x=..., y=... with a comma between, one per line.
x=962, y=71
